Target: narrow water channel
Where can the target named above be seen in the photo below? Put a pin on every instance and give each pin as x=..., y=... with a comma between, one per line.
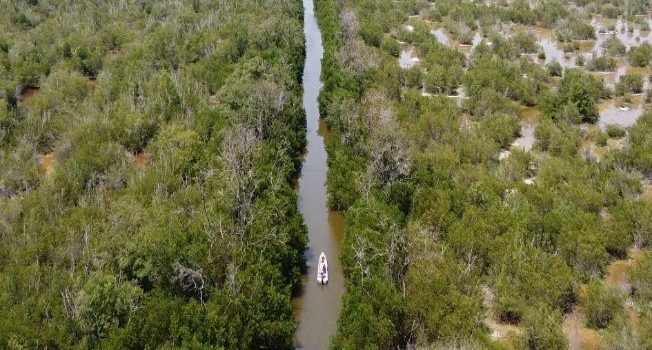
x=318, y=306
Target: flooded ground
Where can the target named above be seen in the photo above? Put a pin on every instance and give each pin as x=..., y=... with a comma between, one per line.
x=604, y=29
x=441, y=36
x=407, y=58
x=589, y=149
x=625, y=115
x=617, y=111
x=547, y=40
x=444, y=38
x=629, y=35
x=529, y=117
x=616, y=276
x=622, y=111
x=526, y=141
x=552, y=48
x=318, y=306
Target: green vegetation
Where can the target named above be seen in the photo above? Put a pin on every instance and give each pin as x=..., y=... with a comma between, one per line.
x=442, y=228
x=629, y=84
x=162, y=213
x=555, y=69
x=577, y=98
x=641, y=56
x=601, y=305
x=149, y=152
x=602, y=64
x=614, y=47
x=641, y=278
x=615, y=131
x=542, y=330
x=639, y=154
x=571, y=29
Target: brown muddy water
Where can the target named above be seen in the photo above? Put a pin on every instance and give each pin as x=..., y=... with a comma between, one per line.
x=624, y=115
x=526, y=141
x=318, y=306
x=444, y=38
x=529, y=117
x=441, y=36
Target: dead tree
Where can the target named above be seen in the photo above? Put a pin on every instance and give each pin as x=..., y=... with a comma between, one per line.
x=191, y=280
x=240, y=145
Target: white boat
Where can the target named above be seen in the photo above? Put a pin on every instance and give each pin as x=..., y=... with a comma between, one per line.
x=322, y=269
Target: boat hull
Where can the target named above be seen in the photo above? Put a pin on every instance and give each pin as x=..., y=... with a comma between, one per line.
x=322, y=269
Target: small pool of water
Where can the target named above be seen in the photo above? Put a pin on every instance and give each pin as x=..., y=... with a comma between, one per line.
x=634, y=38
x=441, y=36
x=612, y=113
x=406, y=59
x=526, y=141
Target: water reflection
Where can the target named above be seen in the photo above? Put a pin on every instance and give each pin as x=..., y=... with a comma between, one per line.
x=441, y=36
x=553, y=53
x=444, y=39
x=629, y=35
x=623, y=115
x=318, y=306
x=546, y=39
x=406, y=60
x=526, y=141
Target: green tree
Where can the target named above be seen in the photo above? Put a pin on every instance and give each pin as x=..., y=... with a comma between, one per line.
x=641, y=56
x=105, y=303
x=543, y=330
x=583, y=90
x=601, y=305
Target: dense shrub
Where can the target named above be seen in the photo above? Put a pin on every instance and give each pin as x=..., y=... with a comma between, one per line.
x=629, y=84
x=440, y=217
x=148, y=154
x=641, y=56
x=601, y=305
x=602, y=64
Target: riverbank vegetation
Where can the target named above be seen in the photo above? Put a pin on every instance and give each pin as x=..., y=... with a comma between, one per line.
x=465, y=229
x=148, y=153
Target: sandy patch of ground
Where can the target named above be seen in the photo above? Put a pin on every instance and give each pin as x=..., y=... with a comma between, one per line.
x=648, y=193
x=47, y=164
x=499, y=331
x=579, y=337
x=213, y=100
x=582, y=338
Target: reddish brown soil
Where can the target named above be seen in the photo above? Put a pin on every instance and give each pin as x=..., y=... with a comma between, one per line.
x=141, y=159
x=28, y=93
x=47, y=164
